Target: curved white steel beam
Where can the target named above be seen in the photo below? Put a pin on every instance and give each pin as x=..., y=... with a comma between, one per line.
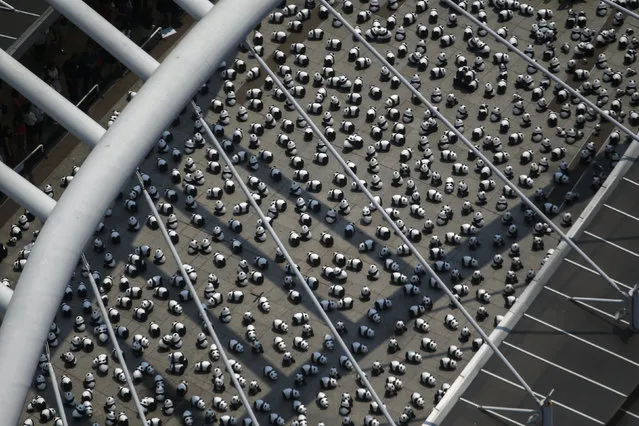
x=5, y=297
x=41, y=285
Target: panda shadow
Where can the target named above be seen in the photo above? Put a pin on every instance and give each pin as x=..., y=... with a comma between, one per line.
x=483, y=258
x=282, y=187
x=180, y=404
x=471, y=299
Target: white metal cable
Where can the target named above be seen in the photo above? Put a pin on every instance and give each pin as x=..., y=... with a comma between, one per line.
x=474, y=149
x=114, y=340
x=158, y=101
x=621, y=8
x=543, y=70
x=266, y=224
x=41, y=205
x=6, y=6
x=203, y=314
x=54, y=385
x=390, y=221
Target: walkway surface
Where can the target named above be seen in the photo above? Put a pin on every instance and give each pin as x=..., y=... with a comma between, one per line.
x=579, y=350
x=289, y=221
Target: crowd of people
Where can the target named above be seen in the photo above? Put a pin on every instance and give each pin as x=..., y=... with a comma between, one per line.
x=72, y=70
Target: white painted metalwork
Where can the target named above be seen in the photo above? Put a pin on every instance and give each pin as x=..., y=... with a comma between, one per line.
x=54, y=386
x=43, y=280
x=543, y=70
x=196, y=8
x=302, y=281
x=114, y=340
x=393, y=225
x=472, y=147
x=25, y=193
x=8, y=7
x=198, y=303
x=5, y=297
x=46, y=98
x=43, y=205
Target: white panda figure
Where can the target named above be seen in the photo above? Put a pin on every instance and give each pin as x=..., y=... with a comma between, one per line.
x=451, y=322
x=447, y=363
x=413, y=357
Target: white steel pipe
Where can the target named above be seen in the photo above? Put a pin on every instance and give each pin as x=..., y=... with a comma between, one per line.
x=107, y=36
x=302, y=281
x=391, y=222
x=476, y=151
x=621, y=8
x=200, y=308
x=44, y=96
x=54, y=386
x=25, y=193
x=41, y=285
x=196, y=8
x=5, y=297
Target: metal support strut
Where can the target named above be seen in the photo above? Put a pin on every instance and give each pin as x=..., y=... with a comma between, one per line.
x=629, y=307
x=390, y=221
x=543, y=70
x=116, y=345
x=266, y=224
x=630, y=298
x=54, y=385
x=203, y=314
x=542, y=416
x=474, y=149
x=59, y=247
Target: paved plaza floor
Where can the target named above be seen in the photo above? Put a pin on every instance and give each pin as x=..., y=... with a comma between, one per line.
x=274, y=287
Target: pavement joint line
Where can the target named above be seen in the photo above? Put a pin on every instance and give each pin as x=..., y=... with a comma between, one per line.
x=631, y=181
x=581, y=339
x=621, y=212
x=590, y=234
x=512, y=317
x=567, y=370
x=592, y=271
x=555, y=402
x=494, y=413
x=565, y=296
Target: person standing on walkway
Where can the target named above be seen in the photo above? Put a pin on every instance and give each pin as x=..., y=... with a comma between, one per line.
x=6, y=145
x=18, y=101
x=40, y=45
x=20, y=133
x=30, y=121
x=72, y=75
x=52, y=76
